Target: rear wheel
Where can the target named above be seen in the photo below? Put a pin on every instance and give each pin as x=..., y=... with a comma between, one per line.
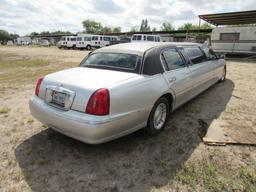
x=223, y=77
x=88, y=47
x=158, y=116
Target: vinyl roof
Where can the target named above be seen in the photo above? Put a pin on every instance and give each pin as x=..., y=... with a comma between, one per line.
x=231, y=18
x=140, y=47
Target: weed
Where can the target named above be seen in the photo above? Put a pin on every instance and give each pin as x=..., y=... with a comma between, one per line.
x=4, y=110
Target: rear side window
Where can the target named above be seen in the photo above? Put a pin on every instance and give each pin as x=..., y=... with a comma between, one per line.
x=139, y=37
x=87, y=38
x=195, y=54
x=95, y=38
x=79, y=38
x=150, y=38
x=134, y=37
x=106, y=38
x=172, y=59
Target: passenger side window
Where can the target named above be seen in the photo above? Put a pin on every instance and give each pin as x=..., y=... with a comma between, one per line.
x=172, y=59
x=209, y=53
x=95, y=38
x=150, y=38
x=195, y=54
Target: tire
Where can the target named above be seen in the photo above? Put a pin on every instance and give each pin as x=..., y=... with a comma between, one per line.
x=223, y=78
x=88, y=47
x=156, y=121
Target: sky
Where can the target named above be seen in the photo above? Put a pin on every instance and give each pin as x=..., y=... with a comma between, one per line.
x=26, y=16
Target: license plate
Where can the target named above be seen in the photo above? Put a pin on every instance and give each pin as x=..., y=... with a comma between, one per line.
x=58, y=98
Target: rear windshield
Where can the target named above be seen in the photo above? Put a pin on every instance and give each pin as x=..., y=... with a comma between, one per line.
x=111, y=60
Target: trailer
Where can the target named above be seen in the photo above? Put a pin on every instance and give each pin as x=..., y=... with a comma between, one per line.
x=234, y=40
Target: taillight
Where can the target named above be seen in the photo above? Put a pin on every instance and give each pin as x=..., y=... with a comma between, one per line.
x=39, y=81
x=98, y=103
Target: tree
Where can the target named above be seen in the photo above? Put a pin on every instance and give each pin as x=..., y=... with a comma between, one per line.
x=167, y=27
x=91, y=26
x=135, y=29
x=116, y=29
x=4, y=36
x=45, y=33
x=144, y=25
x=106, y=29
x=60, y=32
x=206, y=26
x=189, y=26
x=154, y=29
x=34, y=33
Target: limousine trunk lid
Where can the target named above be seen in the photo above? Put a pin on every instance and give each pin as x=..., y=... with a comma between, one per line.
x=77, y=85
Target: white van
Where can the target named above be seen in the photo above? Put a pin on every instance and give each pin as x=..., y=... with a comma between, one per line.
x=145, y=37
x=234, y=40
x=102, y=40
x=67, y=42
x=84, y=41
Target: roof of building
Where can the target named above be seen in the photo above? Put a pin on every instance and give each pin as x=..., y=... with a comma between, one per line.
x=231, y=18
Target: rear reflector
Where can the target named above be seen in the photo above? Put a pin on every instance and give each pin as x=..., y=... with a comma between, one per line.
x=98, y=103
x=39, y=81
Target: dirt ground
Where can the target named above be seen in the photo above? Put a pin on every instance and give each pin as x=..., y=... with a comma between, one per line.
x=35, y=158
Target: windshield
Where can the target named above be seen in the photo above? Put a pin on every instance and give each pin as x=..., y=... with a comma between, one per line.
x=112, y=60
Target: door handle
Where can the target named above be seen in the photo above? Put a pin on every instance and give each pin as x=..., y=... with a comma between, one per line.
x=172, y=79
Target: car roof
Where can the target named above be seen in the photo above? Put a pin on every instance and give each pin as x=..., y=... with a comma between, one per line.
x=140, y=47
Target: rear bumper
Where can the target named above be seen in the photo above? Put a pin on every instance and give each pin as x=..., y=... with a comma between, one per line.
x=81, y=126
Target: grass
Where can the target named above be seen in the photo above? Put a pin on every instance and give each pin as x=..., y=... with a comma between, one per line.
x=214, y=176
x=17, y=71
x=4, y=110
x=23, y=63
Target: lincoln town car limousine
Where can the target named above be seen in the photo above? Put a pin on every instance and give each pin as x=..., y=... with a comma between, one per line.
x=122, y=88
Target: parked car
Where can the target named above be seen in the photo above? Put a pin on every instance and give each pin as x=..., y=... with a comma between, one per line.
x=44, y=42
x=122, y=88
x=145, y=37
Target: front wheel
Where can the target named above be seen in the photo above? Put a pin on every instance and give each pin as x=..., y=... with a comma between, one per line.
x=158, y=116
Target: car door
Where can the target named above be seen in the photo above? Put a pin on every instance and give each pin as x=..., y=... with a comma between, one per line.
x=177, y=75
x=201, y=69
x=213, y=60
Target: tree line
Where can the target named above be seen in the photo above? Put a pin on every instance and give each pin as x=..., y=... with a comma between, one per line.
x=91, y=26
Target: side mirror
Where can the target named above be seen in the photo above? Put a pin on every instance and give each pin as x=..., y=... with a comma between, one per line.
x=221, y=56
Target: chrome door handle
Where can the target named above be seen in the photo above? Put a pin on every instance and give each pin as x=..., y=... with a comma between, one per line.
x=172, y=79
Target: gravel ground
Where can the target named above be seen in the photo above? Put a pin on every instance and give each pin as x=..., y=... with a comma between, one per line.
x=35, y=158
